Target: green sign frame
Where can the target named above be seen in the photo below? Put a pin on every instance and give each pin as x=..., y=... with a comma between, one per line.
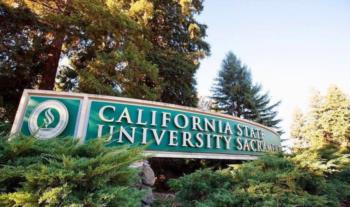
x=168, y=130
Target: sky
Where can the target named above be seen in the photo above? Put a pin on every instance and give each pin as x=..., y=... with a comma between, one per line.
x=291, y=47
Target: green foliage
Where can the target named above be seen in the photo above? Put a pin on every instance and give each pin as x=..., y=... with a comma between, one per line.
x=234, y=93
x=21, y=56
x=164, y=202
x=277, y=181
x=327, y=122
x=201, y=188
x=335, y=117
x=177, y=46
x=148, y=49
x=105, y=46
x=315, y=178
x=332, y=163
x=297, y=130
x=60, y=172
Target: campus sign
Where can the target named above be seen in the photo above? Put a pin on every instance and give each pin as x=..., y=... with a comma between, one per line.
x=167, y=130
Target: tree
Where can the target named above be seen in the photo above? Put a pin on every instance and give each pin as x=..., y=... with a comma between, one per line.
x=105, y=45
x=178, y=45
x=335, y=117
x=235, y=93
x=328, y=120
x=60, y=172
x=297, y=130
x=312, y=132
x=148, y=49
x=22, y=45
x=115, y=47
x=104, y=41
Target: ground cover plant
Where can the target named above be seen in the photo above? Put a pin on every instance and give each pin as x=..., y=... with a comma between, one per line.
x=317, y=177
x=61, y=172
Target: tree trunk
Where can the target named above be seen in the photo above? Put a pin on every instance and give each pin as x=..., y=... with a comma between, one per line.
x=50, y=65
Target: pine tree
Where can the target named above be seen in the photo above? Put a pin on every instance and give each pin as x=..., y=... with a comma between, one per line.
x=59, y=172
x=297, y=131
x=106, y=47
x=313, y=132
x=147, y=49
x=177, y=46
x=235, y=93
x=22, y=45
x=328, y=120
x=335, y=117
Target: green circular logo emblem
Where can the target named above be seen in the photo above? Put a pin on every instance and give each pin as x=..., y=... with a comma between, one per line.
x=48, y=119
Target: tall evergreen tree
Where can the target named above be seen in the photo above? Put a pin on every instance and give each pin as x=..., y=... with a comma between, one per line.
x=178, y=45
x=22, y=45
x=105, y=45
x=312, y=131
x=328, y=120
x=235, y=93
x=335, y=118
x=105, y=42
x=116, y=47
x=175, y=46
x=297, y=130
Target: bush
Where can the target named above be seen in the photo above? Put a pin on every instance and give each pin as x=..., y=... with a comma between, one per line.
x=202, y=188
x=164, y=200
x=271, y=180
x=60, y=172
x=274, y=180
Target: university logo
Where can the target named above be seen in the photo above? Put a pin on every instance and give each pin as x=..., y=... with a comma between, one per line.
x=49, y=119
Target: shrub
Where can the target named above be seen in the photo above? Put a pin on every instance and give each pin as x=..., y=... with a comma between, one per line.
x=274, y=180
x=202, y=188
x=60, y=172
x=164, y=201
x=271, y=180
